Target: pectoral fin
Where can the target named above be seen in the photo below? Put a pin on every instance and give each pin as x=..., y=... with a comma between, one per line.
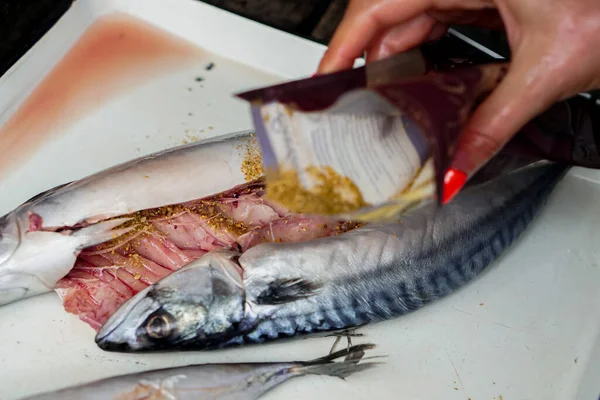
x=287, y=290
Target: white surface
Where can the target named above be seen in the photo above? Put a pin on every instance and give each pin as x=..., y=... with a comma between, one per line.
x=525, y=329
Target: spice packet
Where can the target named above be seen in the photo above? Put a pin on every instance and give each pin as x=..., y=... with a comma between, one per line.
x=372, y=142
x=366, y=143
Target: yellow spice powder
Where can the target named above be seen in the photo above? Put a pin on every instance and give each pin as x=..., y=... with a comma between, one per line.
x=252, y=164
x=209, y=210
x=330, y=194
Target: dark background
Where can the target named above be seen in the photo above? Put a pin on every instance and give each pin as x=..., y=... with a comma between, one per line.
x=23, y=22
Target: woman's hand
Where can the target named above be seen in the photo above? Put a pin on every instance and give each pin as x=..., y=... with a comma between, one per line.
x=555, y=46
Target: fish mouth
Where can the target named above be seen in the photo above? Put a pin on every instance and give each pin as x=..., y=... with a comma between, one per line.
x=119, y=347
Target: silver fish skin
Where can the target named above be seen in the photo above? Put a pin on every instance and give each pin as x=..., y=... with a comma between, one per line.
x=213, y=381
x=74, y=216
x=370, y=274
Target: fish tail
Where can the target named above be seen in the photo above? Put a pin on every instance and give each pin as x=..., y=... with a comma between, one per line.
x=348, y=352
x=328, y=366
x=341, y=369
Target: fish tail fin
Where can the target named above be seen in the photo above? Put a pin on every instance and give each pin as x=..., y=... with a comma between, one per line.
x=341, y=369
x=328, y=366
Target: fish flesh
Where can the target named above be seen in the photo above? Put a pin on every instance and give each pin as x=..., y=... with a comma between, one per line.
x=214, y=381
x=369, y=274
x=100, y=240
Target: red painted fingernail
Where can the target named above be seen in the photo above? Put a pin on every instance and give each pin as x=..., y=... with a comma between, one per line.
x=454, y=180
x=313, y=75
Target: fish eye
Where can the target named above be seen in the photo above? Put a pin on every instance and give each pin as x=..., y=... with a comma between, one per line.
x=158, y=326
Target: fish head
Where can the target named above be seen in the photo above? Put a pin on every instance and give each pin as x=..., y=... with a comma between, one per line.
x=198, y=306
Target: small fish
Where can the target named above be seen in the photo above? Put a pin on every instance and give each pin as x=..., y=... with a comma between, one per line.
x=213, y=381
x=370, y=274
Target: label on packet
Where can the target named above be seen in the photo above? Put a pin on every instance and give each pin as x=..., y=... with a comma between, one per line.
x=361, y=137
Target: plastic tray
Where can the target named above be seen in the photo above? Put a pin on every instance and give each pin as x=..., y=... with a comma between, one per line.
x=528, y=328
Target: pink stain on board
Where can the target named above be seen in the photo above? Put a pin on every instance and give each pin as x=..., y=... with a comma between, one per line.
x=116, y=54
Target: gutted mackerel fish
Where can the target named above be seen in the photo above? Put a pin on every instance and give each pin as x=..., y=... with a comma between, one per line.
x=214, y=381
x=369, y=274
x=101, y=240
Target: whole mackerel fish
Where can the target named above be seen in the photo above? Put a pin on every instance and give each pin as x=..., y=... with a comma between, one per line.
x=213, y=381
x=370, y=274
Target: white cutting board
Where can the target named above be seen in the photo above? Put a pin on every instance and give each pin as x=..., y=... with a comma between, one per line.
x=529, y=328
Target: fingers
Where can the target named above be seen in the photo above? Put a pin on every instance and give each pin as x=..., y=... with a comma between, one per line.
x=515, y=101
x=401, y=37
x=363, y=22
x=495, y=121
x=437, y=32
x=426, y=27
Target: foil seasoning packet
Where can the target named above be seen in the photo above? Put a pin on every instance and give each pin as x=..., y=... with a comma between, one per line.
x=372, y=142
